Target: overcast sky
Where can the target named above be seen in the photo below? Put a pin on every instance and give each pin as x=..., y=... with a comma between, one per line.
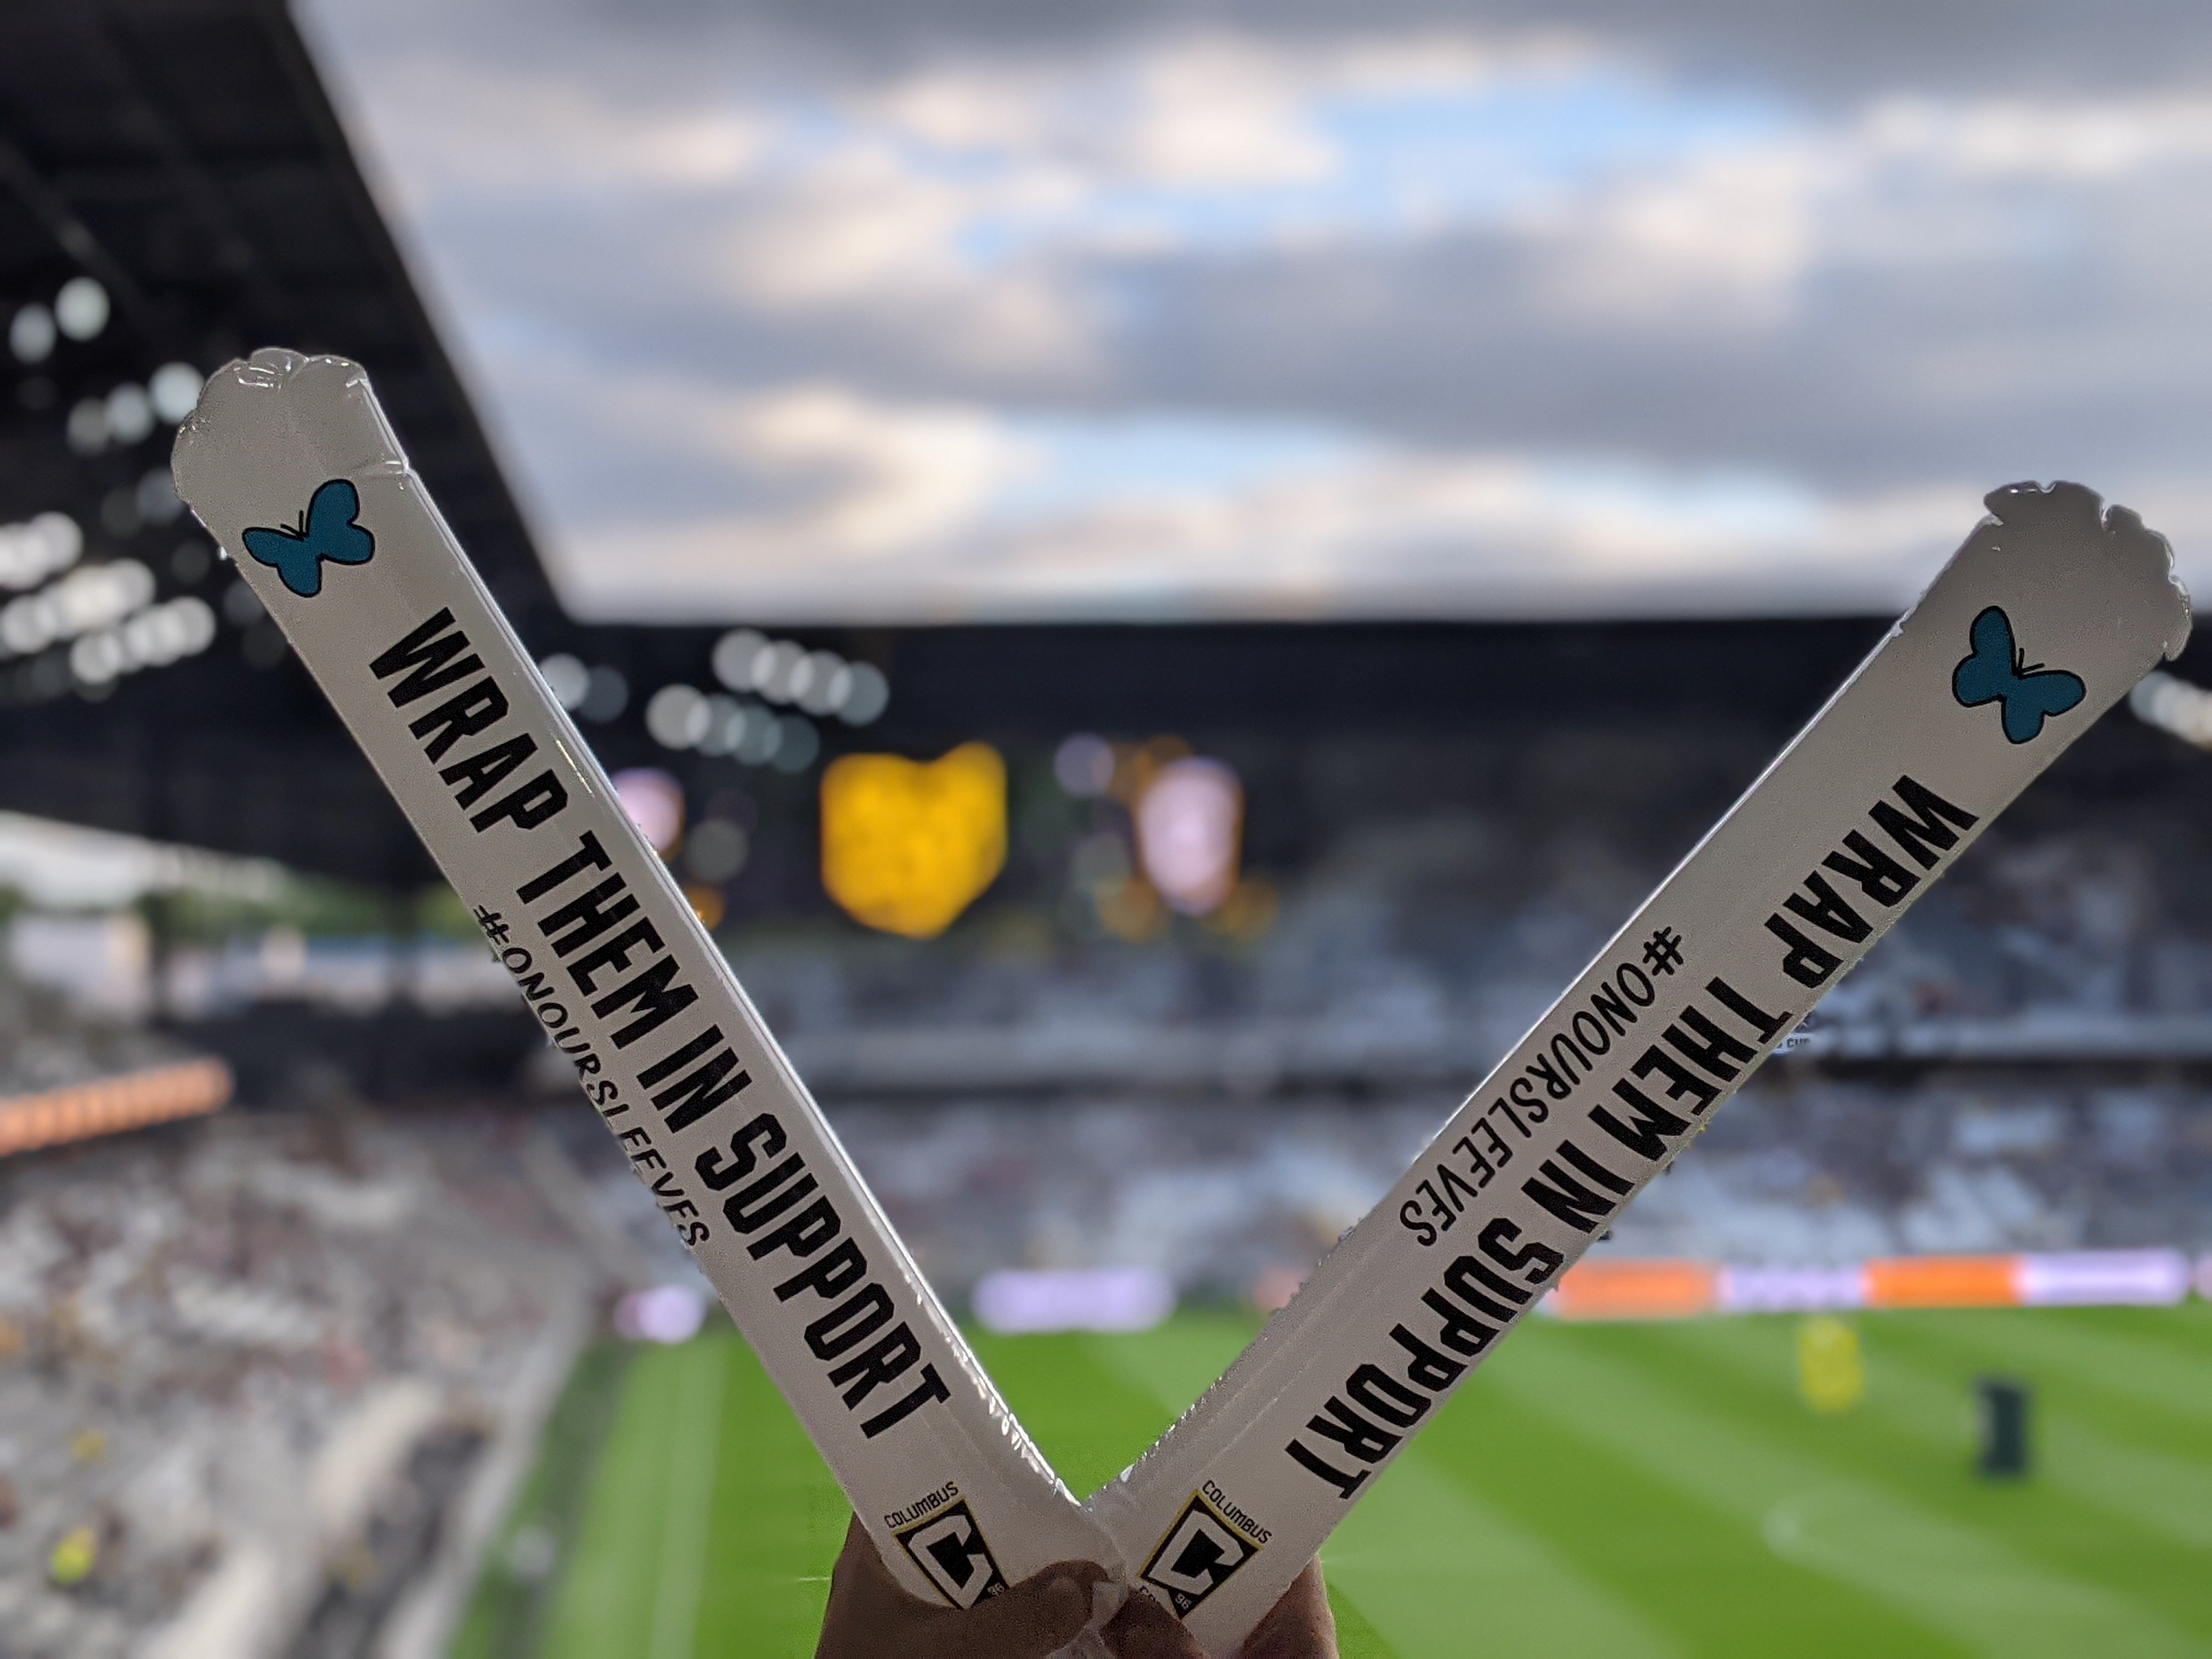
x=853, y=310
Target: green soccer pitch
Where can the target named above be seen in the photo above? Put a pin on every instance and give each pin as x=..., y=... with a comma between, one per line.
x=1625, y=1491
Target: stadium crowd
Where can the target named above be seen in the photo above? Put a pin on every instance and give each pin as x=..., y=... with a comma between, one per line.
x=246, y=1365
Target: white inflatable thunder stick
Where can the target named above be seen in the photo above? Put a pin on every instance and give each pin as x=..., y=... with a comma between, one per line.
x=2045, y=618
x=290, y=465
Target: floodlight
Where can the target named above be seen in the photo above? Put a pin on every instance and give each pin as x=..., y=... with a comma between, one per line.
x=776, y=673
x=130, y=414
x=677, y=717
x=735, y=654
x=567, y=678
x=88, y=427
x=716, y=850
x=31, y=334
x=175, y=389
x=821, y=683
x=725, y=723
x=156, y=497
x=869, y=695
x=608, y=696
x=81, y=309
x=799, y=744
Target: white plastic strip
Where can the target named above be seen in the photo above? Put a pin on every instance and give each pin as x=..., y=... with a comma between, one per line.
x=1790, y=1290
x=2103, y=1279
x=2046, y=617
x=289, y=463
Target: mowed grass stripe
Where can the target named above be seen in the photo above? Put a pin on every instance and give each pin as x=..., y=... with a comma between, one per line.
x=2157, y=1392
x=1914, y=1432
x=1428, y=1565
x=2102, y=1357
x=1825, y=1513
x=2186, y=1328
x=2078, y=1438
x=1919, y=1387
x=604, y=1607
x=1087, y=1418
x=1355, y=1637
x=711, y=1523
x=1180, y=1360
x=779, y=1522
x=1440, y=1573
x=1703, y=1574
x=694, y=1450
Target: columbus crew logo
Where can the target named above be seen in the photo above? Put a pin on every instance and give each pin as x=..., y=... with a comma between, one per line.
x=949, y=1548
x=1198, y=1556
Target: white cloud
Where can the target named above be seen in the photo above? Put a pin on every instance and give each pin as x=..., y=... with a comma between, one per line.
x=1479, y=534
x=448, y=129
x=884, y=511
x=962, y=192
x=841, y=485
x=1205, y=110
x=1732, y=233
x=896, y=477
x=1727, y=237
x=2051, y=139
x=1215, y=111
x=1561, y=246
x=863, y=227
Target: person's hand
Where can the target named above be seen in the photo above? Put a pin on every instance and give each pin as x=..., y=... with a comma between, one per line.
x=1299, y=1626
x=871, y=1616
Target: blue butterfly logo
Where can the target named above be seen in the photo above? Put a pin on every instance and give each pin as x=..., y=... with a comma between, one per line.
x=326, y=531
x=1997, y=671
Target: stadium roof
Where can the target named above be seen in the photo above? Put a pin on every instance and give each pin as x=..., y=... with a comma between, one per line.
x=182, y=154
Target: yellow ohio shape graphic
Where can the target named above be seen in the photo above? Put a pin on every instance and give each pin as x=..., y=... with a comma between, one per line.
x=907, y=845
